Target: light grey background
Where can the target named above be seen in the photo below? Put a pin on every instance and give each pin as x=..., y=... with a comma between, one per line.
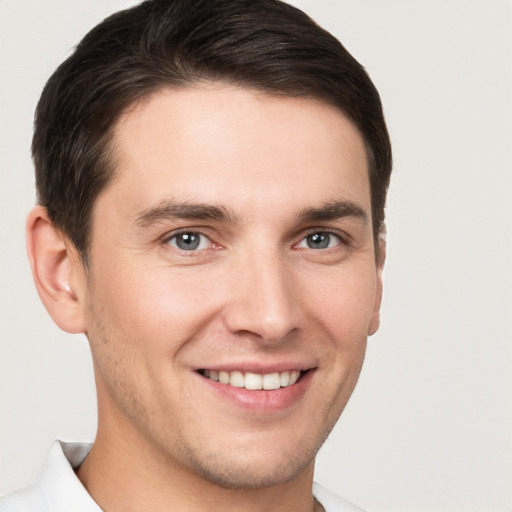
x=429, y=427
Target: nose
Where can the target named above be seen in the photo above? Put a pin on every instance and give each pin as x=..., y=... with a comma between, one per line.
x=262, y=299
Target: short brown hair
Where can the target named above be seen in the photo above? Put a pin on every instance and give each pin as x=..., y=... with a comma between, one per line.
x=266, y=45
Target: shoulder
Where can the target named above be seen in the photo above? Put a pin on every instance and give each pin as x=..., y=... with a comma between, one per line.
x=57, y=488
x=332, y=502
x=29, y=499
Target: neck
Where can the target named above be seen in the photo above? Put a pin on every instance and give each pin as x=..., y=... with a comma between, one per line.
x=123, y=473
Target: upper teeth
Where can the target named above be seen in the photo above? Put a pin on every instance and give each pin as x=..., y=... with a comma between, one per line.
x=251, y=381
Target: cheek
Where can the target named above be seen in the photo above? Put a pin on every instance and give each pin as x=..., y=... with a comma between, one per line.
x=153, y=309
x=343, y=301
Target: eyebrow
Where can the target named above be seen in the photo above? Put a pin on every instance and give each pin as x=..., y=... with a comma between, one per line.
x=333, y=211
x=172, y=209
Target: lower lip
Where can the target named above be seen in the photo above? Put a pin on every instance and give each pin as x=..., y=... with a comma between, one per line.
x=262, y=400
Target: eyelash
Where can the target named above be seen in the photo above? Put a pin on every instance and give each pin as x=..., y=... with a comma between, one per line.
x=168, y=239
x=331, y=233
x=342, y=237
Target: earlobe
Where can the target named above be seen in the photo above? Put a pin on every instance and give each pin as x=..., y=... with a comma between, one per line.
x=57, y=270
x=381, y=259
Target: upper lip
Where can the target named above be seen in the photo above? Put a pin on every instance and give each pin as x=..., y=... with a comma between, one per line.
x=259, y=367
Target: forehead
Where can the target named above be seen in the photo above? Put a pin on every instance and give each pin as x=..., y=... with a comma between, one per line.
x=232, y=145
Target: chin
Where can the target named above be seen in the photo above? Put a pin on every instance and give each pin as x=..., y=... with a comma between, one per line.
x=250, y=475
x=239, y=467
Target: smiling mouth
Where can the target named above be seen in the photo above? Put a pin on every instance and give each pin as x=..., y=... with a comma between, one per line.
x=254, y=381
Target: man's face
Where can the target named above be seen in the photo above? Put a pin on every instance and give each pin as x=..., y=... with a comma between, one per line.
x=235, y=243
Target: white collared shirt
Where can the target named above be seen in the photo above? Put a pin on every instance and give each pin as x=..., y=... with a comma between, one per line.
x=58, y=489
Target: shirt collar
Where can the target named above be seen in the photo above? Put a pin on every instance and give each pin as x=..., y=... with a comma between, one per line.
x=62, y=490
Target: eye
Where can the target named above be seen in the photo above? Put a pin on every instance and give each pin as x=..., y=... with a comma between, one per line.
x=320, y=240
x=189, y=241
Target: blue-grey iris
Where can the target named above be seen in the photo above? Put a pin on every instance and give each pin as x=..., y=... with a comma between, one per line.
x=188, y=241
x=318, y=240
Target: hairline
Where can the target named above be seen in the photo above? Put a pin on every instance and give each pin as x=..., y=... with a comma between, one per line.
x=110, y=156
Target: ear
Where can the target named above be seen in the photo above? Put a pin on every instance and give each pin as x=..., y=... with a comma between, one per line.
x=58, y=272
x=380, y=260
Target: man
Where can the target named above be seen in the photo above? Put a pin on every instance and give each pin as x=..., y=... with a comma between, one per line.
x=211, y=177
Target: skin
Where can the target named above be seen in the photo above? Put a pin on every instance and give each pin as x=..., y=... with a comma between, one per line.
x=256, y=172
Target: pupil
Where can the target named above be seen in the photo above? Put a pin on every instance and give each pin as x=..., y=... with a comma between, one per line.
x=188, y=241
x=318, y=241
